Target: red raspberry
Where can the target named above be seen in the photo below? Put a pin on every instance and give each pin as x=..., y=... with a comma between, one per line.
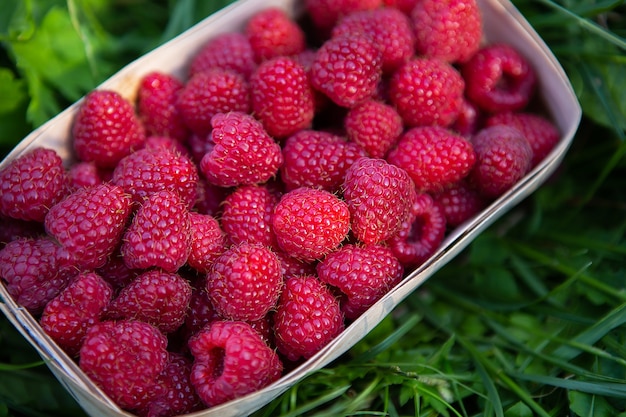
x=90, y=222
x=175, y=394
x=388, y=27
x=310, y=223
x=272, y=33
x=317, y=159
x=374, y=126
x=209, y=199
x=159, y=235
x=469, y=120
x=379, y=196
x=282, y=98
x=245, y=282
x=201, y=311
x=115, y=271
x=68, y=316
x=503, y=157
x=325, y=13
x=421, y=235
x=34, y=271
x=291, y=266
x=156, y=104
x=427, y=91
x=247, y=215
x=361, y=274
x=347, y=69
x=106, y=128
x=159, y=142
x=153, y=169
x=31, y=184
x=450, y=30
x=84, y=175
x=244, y=153
x=228, y=51
x=124, y=359
x=207, y=241
x=156, y=297
x=13, y=229
x=434, y=157
x=307, y=318
x=231, y=360
x=498, y=79
x=460, y=202
x=541, y=133
x=403, y=5
x=211, y=92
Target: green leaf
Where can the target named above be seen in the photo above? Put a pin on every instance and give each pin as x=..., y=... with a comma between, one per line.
x=586, y=405
x=12, y=91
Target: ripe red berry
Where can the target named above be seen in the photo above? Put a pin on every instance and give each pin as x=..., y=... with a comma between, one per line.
x=374, y=126
x=379, y=196
x=159, y=235
x=90, y=222
x=31, y=184
x=434, y=157
x=231, y=360
x=84, y=175
x=210, y=92
x=361, y=274
x=106, y=128
x=124, y=358
x=427, y=91
x=460, y=202
x=503, y=157
x=243, y=153
x=326, y=13
x=156, y=297
x=499, y=79
x=450, y=30
x=307, y=318
x=68, y=317
x=245, y=282
x=227, y=51
x=317, y=159
x=272, y=33
x=347, y=69
x=208, y=241
x=310, y=223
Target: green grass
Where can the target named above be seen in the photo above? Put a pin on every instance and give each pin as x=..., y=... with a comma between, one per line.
x=527, y=321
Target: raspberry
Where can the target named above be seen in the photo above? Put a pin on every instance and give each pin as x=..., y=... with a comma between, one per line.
x=201, y=311
x=209, y=198
x=379, y=196
x=498, y=79
x=244, y=153
x=247, y=215
x=460, y=202
x=124, y=359
x=90, y=222
x=153, y=169
x=31, y=184
x=157, y=95
x=68, y=316
x=347, y=69
x=421, y=235
x=427, y=91
x=106, y=128
x=84, y=175
x=13, y=229
x=159, y=234
x=155, y=143
x=231, y=360
x=272, y=33
x=310, y=223
x=282, y=98
x=388, y=27
x=211, y=92
x=361, y=274
x=434, y=157
x=291, y=266
x=207, y=241
x=34, y=271
x=156, y=297
x=115, y=271
x=317, y=159
x=228, y=51
x=541, y=133
x=245, y=282
x=326, y=13
x=469, y=120
x=405, y=6
x=503, y=157
x=450, y=30
x=175, y=393
x=374, y=126
x=307, y=318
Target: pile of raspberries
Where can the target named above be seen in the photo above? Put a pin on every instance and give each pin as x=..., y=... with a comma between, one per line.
x=221, y=229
